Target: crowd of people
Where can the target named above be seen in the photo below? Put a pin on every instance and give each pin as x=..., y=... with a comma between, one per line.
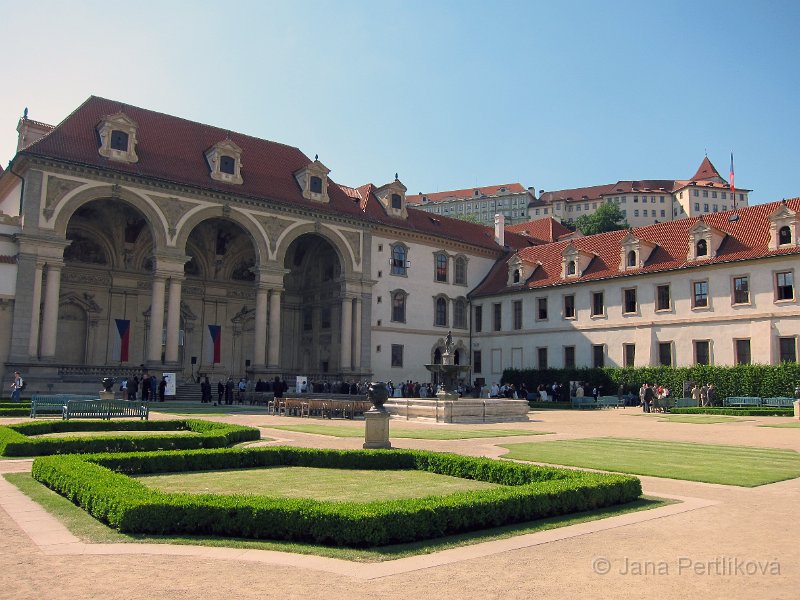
x=146, y=389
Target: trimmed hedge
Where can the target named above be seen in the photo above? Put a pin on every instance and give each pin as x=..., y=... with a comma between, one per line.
x=741, y=380
x=15, y=412
x=99, y=484
x=15, y=440
x=740, y=412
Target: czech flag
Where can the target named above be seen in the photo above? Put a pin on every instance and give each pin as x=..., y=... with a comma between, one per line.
x=733, y=189
x=214, y=344
x=122, y=338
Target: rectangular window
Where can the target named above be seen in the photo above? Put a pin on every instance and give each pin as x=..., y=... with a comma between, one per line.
x=697, y=206
x=569, y=306
x=478, y=319
x=598, y=306
x=477, y=365
x=497, y=311
x=636, y=213
x=397, y=355
x=705, y=207
x=541, y=355
x=713, y=194
x=629, y=301
x=541, y=309
x=663, y=301
x=700, y=294
x=702, y=353
x=517, y=306
x=787, y=349
x=705, y=194
x=569, y=357
x=742, y=352
x=784, y=286
x=644, y=212
x=665, y=354
x=724, y=195
x=663, y=214
x=598, y=356
x=696, y=193
x=741, y=290
x=326, y=317
x=628, y=354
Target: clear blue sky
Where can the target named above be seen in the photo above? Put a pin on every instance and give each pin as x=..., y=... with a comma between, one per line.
x=450, y=94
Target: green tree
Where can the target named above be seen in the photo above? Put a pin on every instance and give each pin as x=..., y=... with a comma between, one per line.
x=606, y=218
x=468, y=218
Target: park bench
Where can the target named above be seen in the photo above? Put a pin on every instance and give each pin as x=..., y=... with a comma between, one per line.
x=53, y=404
x=104, y=409
x=778, y=401
x=610, y=402
x=581, y=402
x=258, y=398
x=742, y=401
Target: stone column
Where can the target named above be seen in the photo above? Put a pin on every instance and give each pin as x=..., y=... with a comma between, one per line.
x=347, y=334
x=357, y=336
x=260, y=334
x=50, y=316
x=274, y=345
x=156, y=318
x=33, y=340
x=173, y=319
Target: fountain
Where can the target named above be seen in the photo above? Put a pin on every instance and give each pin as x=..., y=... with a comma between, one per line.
x=447, y=407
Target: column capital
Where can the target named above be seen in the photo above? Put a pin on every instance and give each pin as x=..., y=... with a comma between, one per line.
x=171, y=263
x=271, y=275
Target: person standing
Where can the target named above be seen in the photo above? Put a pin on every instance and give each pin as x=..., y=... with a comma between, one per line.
x=696, y=396
x=133, y=388
x=145, y=387
x=162, y=389
x=16, y=387
x=154, y=386
x=205, y=391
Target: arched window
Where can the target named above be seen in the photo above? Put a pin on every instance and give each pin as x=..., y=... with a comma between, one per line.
x=441, y=267
x=456, y=358
x=702, y=248
x=441, y=312
x=784, y=235
x=631, y=258
x=571, y=267
x=460, y=271
x=460, y=314
x=437, y=357
x=515, y=277
x=399, y=307
x=399, y=261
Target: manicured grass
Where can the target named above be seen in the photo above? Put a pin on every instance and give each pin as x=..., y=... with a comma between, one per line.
x=784, y=425
x=90, y=530
x=439, y=433
x=728, y=465
x=338, y=485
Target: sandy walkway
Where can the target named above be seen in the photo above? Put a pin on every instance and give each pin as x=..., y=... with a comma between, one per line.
x=725, y=542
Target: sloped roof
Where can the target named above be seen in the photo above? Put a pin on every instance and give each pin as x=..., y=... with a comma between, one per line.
x=542, y=230
x=747, y=238
x=706, y=170
x=486, y=190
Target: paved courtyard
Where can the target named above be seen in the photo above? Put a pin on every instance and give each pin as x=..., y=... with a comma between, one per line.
x=719, y=542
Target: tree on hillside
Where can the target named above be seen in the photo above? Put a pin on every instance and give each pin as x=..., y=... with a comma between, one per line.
x=468, y=218
x=606, y=218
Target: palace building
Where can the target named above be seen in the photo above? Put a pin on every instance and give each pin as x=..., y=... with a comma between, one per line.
x=132, y=239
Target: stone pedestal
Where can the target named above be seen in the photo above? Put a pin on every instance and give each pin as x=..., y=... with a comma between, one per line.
x=376, y=429
x=797, y=409
x=104, y=395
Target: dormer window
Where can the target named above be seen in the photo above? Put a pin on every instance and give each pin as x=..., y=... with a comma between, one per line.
x=516, y=276
x=118, y=138
x=631, y=262
x=313, y=181
x=702, y=248
x=783, y=227
x=315, y=185
x=392, y=197
x=225, y=162
x=571, y=268
x=784, y=235
x=397, y=201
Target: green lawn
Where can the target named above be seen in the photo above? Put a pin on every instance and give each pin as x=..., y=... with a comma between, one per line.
x=728, y=465
x=439, y=433
x=338, y=485
x=784, y=425
x=90, y=530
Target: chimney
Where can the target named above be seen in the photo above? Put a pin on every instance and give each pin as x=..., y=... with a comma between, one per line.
x=30, y=131
x=500, y=230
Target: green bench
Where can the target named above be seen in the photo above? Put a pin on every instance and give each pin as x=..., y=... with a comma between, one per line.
x=104, y=409
x=742, y=401
x=778, y=401
x=581, y=402
x=53, y=404
x=610, y=402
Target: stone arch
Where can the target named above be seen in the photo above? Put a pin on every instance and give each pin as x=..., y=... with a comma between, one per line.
x=63, y=213
x=96, y=237
x=223, y=212
x=343, y=250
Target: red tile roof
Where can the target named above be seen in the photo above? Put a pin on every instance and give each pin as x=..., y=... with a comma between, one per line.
x=487, y=190
x=542, y=230
x=706, y=170
x=747, y=238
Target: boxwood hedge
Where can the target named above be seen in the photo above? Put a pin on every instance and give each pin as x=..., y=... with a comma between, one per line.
x=15, y=440
x=101, y=485
x=740, y=412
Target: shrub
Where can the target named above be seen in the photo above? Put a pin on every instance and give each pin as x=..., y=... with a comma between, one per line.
x=15, y=440
x=98, y=484
x=740, y=412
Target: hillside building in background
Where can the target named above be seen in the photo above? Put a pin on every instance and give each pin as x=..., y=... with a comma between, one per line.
x=482, y=203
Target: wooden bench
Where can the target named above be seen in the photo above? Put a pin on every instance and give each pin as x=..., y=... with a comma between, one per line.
x=583, y=402
x=610, y=402
x=104, y=409
x=778, y=401
x=53, y=404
